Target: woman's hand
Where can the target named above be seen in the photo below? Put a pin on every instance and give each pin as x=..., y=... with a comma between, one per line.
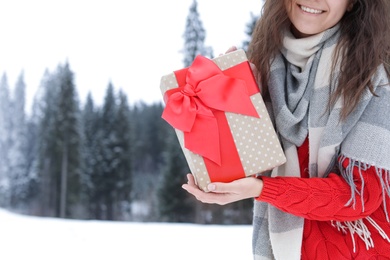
x=224, y=193
x=255, y=71
x=231, y=49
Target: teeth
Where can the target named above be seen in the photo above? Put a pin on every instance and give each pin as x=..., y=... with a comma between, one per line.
x=309, y=10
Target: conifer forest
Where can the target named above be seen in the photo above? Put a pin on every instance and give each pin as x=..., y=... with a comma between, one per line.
x=71, y=158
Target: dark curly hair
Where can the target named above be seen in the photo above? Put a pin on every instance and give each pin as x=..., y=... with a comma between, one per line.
x=364, y=45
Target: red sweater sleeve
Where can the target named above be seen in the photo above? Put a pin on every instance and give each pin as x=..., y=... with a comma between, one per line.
x=325, y=198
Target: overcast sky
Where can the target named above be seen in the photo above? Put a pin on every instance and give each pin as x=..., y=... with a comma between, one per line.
x=130, y=43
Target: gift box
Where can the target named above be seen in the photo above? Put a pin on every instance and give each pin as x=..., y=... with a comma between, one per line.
x=220, y=119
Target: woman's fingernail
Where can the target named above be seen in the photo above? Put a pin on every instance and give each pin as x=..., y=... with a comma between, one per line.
x=211, y=187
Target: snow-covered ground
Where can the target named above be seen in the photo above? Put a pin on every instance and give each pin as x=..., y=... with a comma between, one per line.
x=32, y=238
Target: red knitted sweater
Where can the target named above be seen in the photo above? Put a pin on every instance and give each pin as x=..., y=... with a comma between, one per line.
x=320, y=200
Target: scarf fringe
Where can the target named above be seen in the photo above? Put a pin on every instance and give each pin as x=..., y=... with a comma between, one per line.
x=358, y=227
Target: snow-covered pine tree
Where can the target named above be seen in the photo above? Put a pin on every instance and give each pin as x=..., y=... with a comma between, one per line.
x=149, y=131
x=5, y=131
x=106, y=183
x=59, y=141
x=91, y=157
x=147, y=145
x=19, y=176
x=174, y=204
x=140, y=147
x=35, y=143
x=123, y=189
x=194, y=37
x=48, y=147
x=69, y=139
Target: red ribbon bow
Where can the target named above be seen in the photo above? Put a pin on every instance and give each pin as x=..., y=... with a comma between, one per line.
x=191, y=107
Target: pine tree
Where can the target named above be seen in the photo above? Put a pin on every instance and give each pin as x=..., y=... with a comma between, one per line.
x=123, y=169
x=19, y=177
x=107, y=181
x=48, y=147
x=149, y=136
x=69, y=138
x=36, y=145
x=59, y=146
x=31, y=153
x=5, y=139
x=194, y=37
x=91, y=159
x=108, y=170
x=139, y=141
x=174, y=204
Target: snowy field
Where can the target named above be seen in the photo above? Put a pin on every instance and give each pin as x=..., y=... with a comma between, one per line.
x=32, y=238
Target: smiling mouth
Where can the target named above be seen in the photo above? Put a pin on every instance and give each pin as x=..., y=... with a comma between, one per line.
x=310, y=10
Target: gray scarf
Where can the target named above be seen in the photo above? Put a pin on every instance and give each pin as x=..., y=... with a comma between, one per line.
x=300, y=87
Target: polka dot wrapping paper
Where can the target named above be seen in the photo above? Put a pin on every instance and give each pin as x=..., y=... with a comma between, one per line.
x=253, y=138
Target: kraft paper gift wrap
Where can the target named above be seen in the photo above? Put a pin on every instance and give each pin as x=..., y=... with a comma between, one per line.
x=220, y=119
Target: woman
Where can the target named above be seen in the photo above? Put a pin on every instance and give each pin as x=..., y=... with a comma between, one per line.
x=323, y=68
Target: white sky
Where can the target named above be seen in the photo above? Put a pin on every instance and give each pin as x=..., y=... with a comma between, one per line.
x=34, y=238
x=130, y=43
